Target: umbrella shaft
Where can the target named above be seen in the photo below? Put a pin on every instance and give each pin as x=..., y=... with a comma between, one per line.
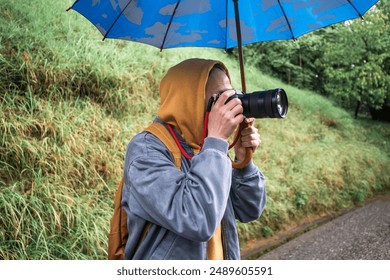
x=239, y=41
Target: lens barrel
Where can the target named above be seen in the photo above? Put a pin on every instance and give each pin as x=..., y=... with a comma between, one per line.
x=264, y=104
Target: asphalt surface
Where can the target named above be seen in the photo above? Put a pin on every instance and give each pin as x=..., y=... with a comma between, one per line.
x=361, y=234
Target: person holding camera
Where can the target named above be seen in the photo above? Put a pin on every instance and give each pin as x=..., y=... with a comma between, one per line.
x=191, y=213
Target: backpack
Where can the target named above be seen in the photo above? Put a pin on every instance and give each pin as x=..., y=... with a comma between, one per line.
x=118, y=235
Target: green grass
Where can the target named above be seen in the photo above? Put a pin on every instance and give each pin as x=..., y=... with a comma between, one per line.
x=69, y=104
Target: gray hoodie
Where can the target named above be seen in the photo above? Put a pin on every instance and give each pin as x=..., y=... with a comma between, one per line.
x=185, y=207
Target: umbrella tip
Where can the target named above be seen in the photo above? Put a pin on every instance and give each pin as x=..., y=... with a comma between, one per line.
x=69, y=8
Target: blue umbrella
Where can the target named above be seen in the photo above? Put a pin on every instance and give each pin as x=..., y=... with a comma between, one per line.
x=215, y=23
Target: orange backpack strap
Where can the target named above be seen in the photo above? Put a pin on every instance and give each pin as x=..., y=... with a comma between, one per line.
x=162, y=133
x=118, y=228
x=118, y=235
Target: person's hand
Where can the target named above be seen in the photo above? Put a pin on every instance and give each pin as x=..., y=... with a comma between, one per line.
x=224, y=118
x=250, y=138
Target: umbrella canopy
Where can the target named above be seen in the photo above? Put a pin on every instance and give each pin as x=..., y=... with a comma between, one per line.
x=211, y=23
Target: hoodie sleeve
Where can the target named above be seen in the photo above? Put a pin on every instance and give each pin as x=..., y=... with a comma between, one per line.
x=190, y=203
x=248, y=193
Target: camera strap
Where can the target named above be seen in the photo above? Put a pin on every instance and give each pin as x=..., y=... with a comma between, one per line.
x=206, y=120
x=204, y=135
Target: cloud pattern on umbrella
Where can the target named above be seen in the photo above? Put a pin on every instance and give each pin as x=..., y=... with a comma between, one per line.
x=211, y=23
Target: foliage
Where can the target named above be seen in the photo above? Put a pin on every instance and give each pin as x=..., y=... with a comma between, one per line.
x=294, y=62
x=348, y=62
x=355, y=58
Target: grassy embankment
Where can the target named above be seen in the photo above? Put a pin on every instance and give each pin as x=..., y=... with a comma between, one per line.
x=69, y=104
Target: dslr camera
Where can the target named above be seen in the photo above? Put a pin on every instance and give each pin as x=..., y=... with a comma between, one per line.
x=271, y=103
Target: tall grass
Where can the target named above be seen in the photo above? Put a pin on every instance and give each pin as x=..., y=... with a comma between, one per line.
x=70, y=103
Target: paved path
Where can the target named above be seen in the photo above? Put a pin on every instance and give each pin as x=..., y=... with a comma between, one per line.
x=362, y=234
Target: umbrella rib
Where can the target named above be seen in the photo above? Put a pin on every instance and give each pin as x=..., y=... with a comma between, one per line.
x=227, y=21
x=285, y=16
x=112, y=25
x=356, y=10
x=169, y=25
x=72, y=5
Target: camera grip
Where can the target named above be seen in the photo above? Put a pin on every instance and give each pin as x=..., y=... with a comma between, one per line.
x=249, y=151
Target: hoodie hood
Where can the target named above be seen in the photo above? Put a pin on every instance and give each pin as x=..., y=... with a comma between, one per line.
x=182, y=98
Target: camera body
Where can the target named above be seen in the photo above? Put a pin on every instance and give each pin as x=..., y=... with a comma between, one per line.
x=260, y=104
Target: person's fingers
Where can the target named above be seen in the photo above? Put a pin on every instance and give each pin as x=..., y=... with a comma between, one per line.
x=250, y=120
x=250, y=137
x=224, y=97
x=249, y=130
x=226, y=103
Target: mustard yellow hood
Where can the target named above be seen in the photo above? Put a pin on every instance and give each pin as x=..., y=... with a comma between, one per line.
x=182, y=98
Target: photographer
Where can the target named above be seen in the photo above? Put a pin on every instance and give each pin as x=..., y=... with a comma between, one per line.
x=191, y=212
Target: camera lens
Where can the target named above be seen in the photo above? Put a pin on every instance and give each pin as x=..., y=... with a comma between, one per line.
x=281, y=103
x=264, y=104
